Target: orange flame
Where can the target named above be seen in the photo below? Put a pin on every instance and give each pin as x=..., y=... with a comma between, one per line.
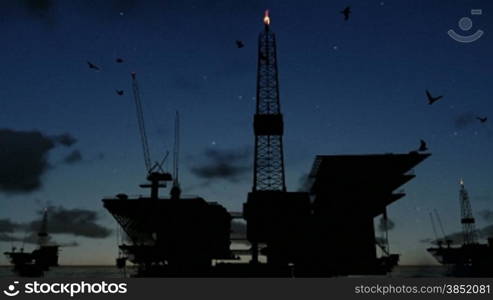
x=266, y=18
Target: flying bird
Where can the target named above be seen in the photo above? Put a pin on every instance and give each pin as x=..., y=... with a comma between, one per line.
x=482, y=119
x=93, y=66
x=346, y=12
x=119, y=60
x=432, y=99
x=239, y=44
x=119, y=92
x=422, y=146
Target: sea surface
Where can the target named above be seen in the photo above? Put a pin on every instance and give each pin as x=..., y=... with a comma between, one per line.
x=113, y=272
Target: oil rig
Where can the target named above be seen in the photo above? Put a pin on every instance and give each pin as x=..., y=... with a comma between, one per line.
x=472, y=259
x=290, y=233
x=35, y=263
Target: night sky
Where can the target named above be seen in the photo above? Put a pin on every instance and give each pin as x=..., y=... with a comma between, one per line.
x=347, y=87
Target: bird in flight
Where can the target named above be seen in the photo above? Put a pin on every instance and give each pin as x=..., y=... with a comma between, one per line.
x=119, y=60
x=432, y=99
x=93, y=66
x=346, y=12
x=482, y=119
x=422, y=146
x=119, y=92
x=239, y=44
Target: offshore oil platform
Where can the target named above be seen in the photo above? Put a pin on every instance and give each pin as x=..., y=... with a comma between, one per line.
x=288, y=233
x=35, y=263
x=471, y=259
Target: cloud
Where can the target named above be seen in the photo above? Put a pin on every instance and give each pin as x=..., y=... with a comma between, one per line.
x=486, y=214
x=8, y=226
x=484, y=197
x=39, y=9
x=457, y=238
x=38, y=6
x=77, y=222
x=229, y=165
x=464, y=120
x=65, y=139
x=32, y=238
x=73, y=157
x=23, y=158
x=5, y=237
x=124, y=4
x=486, y=232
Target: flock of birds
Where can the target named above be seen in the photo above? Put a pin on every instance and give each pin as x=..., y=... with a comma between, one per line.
x=98, y=68
x=346, y=12
x=431, y=99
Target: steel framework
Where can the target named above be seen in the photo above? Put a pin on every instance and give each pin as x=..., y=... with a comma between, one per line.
x=467, y=219
x=268, y=121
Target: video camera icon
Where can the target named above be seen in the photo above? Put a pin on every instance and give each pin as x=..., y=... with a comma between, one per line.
x=465, y=24
x=11, y=291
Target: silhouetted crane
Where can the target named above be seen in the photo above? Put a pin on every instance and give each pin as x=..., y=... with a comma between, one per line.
x=141, y=123
x=155, y=174
x=176, y=190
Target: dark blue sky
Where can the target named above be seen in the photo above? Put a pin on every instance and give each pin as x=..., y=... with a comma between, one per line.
x=346, y=88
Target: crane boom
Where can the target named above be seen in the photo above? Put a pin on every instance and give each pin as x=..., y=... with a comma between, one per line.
x=141, y=123
x=176, y=149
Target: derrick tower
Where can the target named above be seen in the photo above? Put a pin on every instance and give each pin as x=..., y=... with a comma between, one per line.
x=268, y=196
x=467, y=219
x=268, y=122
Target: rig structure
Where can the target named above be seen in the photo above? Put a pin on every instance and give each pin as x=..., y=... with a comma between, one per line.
x=467, y=219
x=325, y=231
x=471, y=258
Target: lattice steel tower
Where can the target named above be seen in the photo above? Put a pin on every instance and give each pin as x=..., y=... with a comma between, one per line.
x=268, y=122
x=467, y=219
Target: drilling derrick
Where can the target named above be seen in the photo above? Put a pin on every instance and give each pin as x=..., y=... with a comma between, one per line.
x=269, y=209
x=268, y=123
x=467, y=219
x=43, y=230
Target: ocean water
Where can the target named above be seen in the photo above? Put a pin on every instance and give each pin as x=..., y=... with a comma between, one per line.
x=113, y=272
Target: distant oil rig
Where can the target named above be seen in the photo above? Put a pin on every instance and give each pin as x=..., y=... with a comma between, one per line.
x=471, y=259
x=327, y=231
x=40, y=260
